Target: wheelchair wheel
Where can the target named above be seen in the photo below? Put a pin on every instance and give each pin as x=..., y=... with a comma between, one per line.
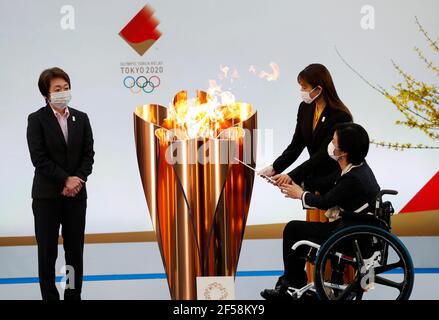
x=379, y=264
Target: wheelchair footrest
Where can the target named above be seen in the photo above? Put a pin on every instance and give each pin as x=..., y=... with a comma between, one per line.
x=298, y=293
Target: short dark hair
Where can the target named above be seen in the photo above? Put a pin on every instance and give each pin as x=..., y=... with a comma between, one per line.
x=354, y=140
x=47, y=76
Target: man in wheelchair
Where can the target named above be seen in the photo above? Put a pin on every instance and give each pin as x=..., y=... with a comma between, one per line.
x=345, y=195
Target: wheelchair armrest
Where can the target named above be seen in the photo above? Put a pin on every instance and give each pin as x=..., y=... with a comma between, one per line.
x=305, y=243
x=387, y=191
x=379, y=197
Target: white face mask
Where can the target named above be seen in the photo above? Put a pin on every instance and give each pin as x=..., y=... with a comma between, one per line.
x=306, y=96
x=60, y=99
x=331, y=149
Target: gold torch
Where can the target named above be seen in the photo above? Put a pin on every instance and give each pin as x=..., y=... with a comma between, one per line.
x=198, y=194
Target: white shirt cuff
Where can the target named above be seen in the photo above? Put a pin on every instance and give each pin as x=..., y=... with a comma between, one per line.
x=303, y=201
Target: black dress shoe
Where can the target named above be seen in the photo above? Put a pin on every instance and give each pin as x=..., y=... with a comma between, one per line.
x=273, y=294
x=278, y=293
x=309, y=296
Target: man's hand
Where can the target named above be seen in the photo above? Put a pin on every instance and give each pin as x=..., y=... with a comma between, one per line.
x=72, y=187
x=292, y=190
x=281, y=179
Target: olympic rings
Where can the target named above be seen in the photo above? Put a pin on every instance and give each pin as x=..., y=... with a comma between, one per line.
x=142, y=83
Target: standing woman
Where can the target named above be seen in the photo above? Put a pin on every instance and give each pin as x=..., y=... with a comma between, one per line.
x=60, y=143
x=319, y=112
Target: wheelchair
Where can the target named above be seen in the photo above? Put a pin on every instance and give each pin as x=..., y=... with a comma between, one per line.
x=363, y=261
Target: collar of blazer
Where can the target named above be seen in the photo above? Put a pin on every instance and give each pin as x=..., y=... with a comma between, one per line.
x=53, y=122
x=348, y=169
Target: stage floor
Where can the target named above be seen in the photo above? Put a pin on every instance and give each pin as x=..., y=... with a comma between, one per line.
x=135, y=271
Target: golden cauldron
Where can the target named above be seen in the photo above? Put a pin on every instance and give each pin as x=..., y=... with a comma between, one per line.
x=198, y=194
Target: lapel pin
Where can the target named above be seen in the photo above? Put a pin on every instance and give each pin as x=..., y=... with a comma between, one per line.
x=73, y=118
x=323, y=119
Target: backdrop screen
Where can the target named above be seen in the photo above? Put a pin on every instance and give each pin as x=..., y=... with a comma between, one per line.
x=254, y=49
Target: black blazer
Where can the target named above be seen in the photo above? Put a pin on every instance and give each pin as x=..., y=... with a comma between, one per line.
x=319, y=164
x=54, y=159
x=350, y=191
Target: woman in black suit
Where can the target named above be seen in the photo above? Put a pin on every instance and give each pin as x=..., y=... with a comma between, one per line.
x=319, y=112
x=353, y=190
x=60, y=141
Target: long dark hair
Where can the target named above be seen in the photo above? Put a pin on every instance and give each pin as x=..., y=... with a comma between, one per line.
x=318, y=75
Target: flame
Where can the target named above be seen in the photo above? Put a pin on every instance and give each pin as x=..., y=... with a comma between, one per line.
x=271, y=76
x=214, y=88
x=205, y=116
x=234, y=75
x=225, y=71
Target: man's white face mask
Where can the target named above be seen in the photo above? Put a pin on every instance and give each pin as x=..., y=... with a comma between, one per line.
x=60, y=99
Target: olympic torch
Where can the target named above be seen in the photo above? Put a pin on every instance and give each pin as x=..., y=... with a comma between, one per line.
x=198, y=194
